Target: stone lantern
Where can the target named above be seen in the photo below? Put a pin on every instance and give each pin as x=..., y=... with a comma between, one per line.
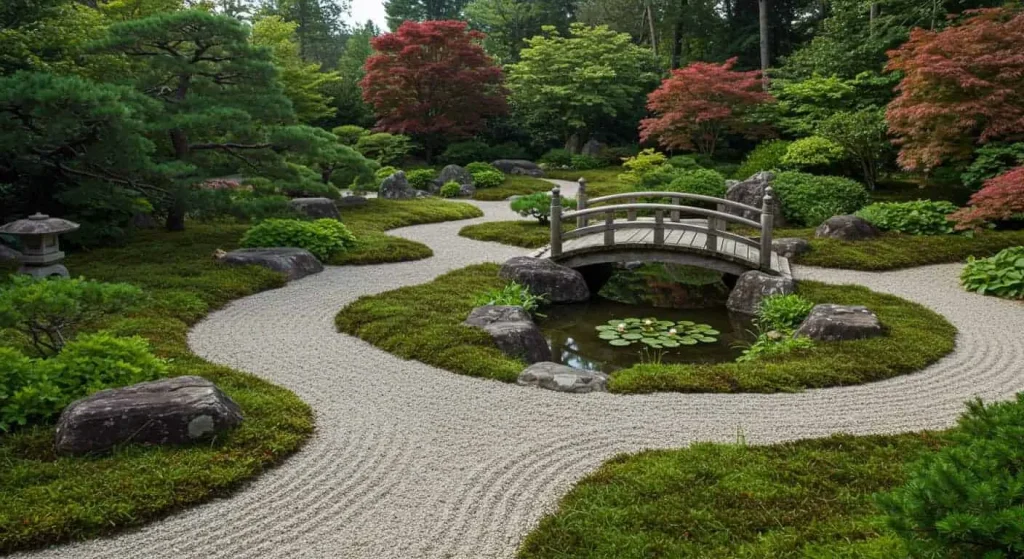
x=41, y=255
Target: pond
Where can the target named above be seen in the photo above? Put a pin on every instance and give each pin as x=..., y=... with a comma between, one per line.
x=571, y=331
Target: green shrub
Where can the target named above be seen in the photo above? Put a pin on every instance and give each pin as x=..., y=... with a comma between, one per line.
x=477, y=166
x=766, y=156
x=813, y=152
x=509, y=150
x=613, y=156
x=807, y=200
x=36, y=390
x=49, y=312
x=538, y=205
x=513, y=295
x=649, y=170
x=349, y=134
x=420, y=179
x=920, y=217
x=461, y=153
x=992, y=160
x=699, y=181
x=683, y=162
x=488, y=179
x=450, y=189
x=1001, y=275
x=384, y=172
x=386, y=149
x=783, y=312
x=585, y=162
x=965, y=500
x=557, y=158
x=322, y=237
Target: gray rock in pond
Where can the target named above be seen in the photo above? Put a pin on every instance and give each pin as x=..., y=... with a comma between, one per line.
x=8, y=254
x=788, y=247
x=543, y=277
x=561, y=378
x=163, y=412
x=513, y=331
x=351, y=202
x=295, y=263
x=751, y=193
x=754, y=286
x=518, y=167
x=316, y=208
x=397, y=187
x=840, y=322
x=846, y=228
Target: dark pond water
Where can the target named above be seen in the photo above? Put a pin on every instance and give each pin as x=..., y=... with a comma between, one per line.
x=570, y=330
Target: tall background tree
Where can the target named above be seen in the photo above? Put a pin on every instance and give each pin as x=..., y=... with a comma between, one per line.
x=434, y=82
x=305, y=85
x=400, y=11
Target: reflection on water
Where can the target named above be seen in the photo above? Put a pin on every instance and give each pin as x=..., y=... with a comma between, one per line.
x=570, y=331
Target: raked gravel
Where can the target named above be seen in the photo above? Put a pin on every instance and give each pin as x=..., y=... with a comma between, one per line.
x=409, y=461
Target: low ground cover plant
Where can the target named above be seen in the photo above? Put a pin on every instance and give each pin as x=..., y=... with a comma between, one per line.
x=920, y=217
x=322, y=237
x=1001, y=275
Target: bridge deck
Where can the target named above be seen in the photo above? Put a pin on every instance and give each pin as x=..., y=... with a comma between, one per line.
x=640, y=239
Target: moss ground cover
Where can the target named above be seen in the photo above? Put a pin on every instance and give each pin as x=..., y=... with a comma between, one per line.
x=424, y=322
x=514, y=185
x=808, y=498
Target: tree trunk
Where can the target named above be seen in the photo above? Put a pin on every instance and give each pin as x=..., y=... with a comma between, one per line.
x=762, y=17
x=677, y=37
x=872, y=16
x=650, y=23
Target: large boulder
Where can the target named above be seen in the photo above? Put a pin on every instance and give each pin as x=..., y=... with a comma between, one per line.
x=752, y=287
x=316, y=208
x=592, y=148
x=518, y=167
x=557, y=283
x=295, y=263
x=846, y=228
x=561, y=378
x=467, y=190
x=163, y=412
x=840, y=322
x=751, y=193
x=453, y=173
x=396, y=187
x=788, y=247
x=513, y=331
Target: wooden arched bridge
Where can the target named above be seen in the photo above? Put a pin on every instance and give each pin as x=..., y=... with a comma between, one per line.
x=660, y=227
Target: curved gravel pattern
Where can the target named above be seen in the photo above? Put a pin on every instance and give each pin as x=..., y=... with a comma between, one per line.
x=409, y=461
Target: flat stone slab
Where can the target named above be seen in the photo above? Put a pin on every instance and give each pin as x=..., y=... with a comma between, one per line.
x=557, y=283
x=513, y=330
x=833, y=323
x=789, y=247
x=164, y=412
x=518, y=167
x=561, y=378
x=295, y=263
x=752, y=287
x=317, y=208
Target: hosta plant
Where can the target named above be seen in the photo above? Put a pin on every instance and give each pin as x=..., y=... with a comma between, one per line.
x=1001, y=275
x=920, y=217
x=656, y=333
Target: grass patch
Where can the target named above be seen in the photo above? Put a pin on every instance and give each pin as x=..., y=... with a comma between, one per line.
x=514, y=185
x=600, y=182
x=369, y=222
x=809, y=498
x=522, y=233
x=45, y=499
x=424, y=322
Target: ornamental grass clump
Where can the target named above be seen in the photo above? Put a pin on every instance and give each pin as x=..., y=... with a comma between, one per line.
x=513, y=294
x=322, y=237
x=778, y=317
x=1001, y=275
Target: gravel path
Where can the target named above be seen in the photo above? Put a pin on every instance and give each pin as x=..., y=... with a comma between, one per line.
x=409, y=461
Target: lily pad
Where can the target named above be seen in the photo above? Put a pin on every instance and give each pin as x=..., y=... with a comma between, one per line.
x=619, y=342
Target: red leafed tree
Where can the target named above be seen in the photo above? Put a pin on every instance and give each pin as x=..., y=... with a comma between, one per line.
x=699, y=103
x=962, y=86
x=999, y=199
x=433, y=81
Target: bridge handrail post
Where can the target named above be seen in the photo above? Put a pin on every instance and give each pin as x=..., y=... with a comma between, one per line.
x=711, y=242
x=609, y=229
x=767, y=222
x=581, y=202
x=674, y=216
x=556, y=222
x=659, y=227
x=631, y=213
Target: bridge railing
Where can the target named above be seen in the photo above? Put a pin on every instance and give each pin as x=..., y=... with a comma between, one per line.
x=716, y=221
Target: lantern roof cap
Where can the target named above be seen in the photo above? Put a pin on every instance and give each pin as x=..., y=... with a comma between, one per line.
x=39, y=224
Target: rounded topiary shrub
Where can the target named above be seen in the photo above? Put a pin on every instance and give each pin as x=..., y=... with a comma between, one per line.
x=966, y=499
x=765, y=157
x=450, y=189
x=488, y=179
x=920, y=217
x=1001, y=275
x=807, y=200
x=461, y=153
x=420, y=179
x=684, y=162
x=557, y=158
x=699, y=181
x=322, y=237
x=813, y=152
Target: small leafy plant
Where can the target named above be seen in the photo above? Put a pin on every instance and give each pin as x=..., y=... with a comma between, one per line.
x=420, y=179
x=783, y=312
x=656, y=333
x=450, y=189
x=488, y=179
x=513, y=294
x=384, y=172
x=479, y=166
x=1001, y=275
x=321, y=237
x=920, y=217
x=771, y=343
x=538, y=205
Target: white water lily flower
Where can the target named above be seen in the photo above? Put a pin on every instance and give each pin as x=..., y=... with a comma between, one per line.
x=622, y=326
x=672, y=331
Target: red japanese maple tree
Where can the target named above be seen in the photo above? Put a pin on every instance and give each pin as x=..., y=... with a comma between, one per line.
x=962, y=86
x=999, y=199
x=699, y=103
x=432, y=80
